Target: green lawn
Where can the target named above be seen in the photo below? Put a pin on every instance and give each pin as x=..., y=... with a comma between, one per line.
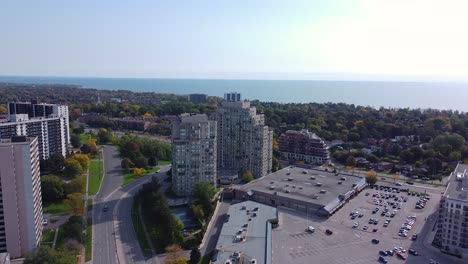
x=48, y=236
x=129, y=177
x=164, y=162
x=90, y=205
x=142, y=241
x=84, y=138
x=57, y=209
x=95, y=176
x=60, y=238
x=89, y=240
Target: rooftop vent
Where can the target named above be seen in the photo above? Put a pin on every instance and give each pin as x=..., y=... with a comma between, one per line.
x=340, y=182
x=290, y=179
x=315, y=196
x=304, y=172
x=343, y=178
x=312, y=177
x=323, y=191
x=318, y=184
x=272, y=187
x=287, y=191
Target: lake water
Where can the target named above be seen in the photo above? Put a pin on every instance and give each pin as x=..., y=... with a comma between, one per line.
x=439, y=95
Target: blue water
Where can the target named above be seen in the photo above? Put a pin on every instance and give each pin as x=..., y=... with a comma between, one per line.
x=186, y=217
x=438, y=95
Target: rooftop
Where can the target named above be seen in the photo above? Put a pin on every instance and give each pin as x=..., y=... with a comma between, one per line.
x=245, y=231
x=308, y=185
x=457, y=187
x=193, y=118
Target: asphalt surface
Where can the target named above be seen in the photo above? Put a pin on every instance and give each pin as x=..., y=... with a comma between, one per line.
x=114, y=238
x=213, y=232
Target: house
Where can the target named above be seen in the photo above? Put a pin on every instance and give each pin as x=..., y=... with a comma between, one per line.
x=382, y=166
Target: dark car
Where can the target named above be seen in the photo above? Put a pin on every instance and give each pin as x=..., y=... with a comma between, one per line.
x=382, y=259
x=383, y=253
x=390, y=252
x=410, y=182
x=413, y=252
x=375, y=241
x=375, y=230
x=328, y=232
x=414, y=237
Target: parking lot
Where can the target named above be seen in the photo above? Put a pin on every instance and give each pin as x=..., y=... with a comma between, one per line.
x=292, y=243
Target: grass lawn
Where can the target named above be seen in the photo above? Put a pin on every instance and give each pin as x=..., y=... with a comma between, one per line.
x=60, y=238
x=129, y=177
x=57, y=209
x=84, y=138
x=142, y=241
x=164, y=162
x=90, y=205
x=48, y=236
x=95, y=176
x=89, y=240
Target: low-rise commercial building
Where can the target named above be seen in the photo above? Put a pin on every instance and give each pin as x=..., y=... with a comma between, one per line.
x=307, y=190
x=452, y=231
x=246, y=234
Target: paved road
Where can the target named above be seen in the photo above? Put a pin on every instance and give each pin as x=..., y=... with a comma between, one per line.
x=104, y=246
x=114, y=237
x=212, y=234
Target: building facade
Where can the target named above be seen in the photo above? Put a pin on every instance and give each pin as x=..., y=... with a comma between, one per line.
x=244, y=142
x=198, y=98
x=49, y=123
x=303, y=145
x=193, y=152
x=452, y=227
x=20, y=194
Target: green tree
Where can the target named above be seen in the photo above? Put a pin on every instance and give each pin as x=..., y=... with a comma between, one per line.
x=203, y=193
x=126, y=164
x=83, y=160
x=247, y=176
x=195, y=255
x=105, y=136
x=52, y=188
x=141, y=162
x=72, y=168
x=48, y=255
x=455, y=156
x=75, y=186
x=73, y=227
x=85, y=149
x=350, y=161
x=75, y=140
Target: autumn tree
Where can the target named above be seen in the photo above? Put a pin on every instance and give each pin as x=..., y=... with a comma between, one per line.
x=175, y=255
x=72, y=168
x=75, y=201
x=371, y=177
x=247, y=176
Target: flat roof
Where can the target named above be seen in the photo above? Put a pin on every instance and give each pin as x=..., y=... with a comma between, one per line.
x=313, y=186
x=457, y=187
x=255, y=232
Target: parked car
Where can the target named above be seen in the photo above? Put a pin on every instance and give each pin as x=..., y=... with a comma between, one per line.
x=375, y=241
x=328, y=232
x=414, y=237
x=311, y=229
x=382, y=259
x=413, y=252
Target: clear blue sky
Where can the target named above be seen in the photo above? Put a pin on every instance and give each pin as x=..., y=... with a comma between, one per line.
x=235, y=39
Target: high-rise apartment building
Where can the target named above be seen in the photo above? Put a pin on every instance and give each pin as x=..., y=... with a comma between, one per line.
x=48, y=122
x=452, y=226
x=193, y=152
x=20, y=196
x=303, y=145
x=244, y=142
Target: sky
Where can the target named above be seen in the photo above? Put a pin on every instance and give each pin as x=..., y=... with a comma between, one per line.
x=242, y=39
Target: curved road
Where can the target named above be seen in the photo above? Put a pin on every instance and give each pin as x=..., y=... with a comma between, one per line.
x=114, y=239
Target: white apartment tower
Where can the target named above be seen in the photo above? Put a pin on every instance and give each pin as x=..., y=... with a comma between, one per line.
x=452, y=226
x=48, y=122
x=244, y=142
x=20, y=196
x=193, y=152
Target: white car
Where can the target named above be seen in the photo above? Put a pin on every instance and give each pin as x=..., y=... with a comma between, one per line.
x=311, y=229
x=44, y=221
x=356, y=224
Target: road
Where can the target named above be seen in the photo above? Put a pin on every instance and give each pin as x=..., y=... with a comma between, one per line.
x=114, y=238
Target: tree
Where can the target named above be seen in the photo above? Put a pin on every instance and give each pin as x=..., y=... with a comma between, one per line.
x=73, y=227
x=138, y=171
x=247, y=176
x=72, y=168
x=203, y=193
x=141, y=162
x=105, y=136
x=75, y=186
x=75, y=201
x=152, y=161
x=3, y=110
x=455, y=156
x=52, y=188
x=92, y=146
x=353, y=136
x=85, y=149
x=198, y=212
x=195, y=255
x=126, y=164
x=75, y=140
x=83, y=160
x=350, y=161
x=51, y=256
x=175, y=255
x=371, y=177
